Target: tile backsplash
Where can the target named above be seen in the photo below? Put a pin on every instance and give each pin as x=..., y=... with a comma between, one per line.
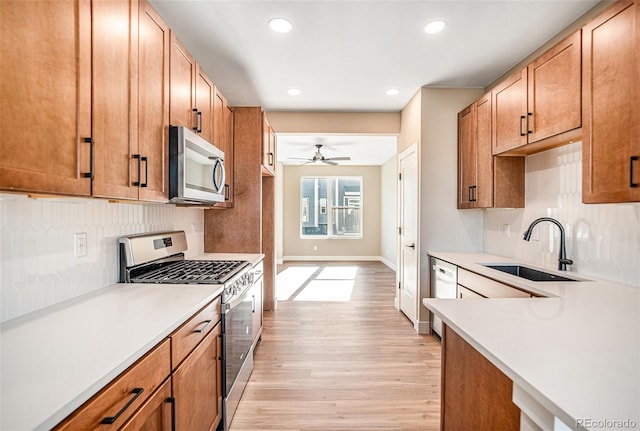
x=602, y=239
x=37, y=262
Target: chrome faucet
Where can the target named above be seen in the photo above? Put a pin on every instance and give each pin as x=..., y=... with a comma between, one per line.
x=562, y=259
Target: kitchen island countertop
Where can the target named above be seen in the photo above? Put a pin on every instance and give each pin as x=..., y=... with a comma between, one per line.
x=575, y=351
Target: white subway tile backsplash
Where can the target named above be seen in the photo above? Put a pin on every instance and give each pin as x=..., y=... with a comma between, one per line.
x=602, y=239
x=37, y=263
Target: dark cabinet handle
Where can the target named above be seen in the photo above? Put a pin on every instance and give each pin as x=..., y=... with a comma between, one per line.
x=199, y=121
x=631, y=160
x=195, y=128
x=136, y=392
x=90, y=173
x=529, y=118
x=137, y=157
x=172, y=400
x=522, y=118
x=146, y=171
x=470, y=193
x=206, y=323
x=271, y=159
x=475, y=191
x=226, y=192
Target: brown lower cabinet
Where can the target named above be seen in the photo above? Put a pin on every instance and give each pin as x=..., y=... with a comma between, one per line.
x=475, y=394
x=197, y=387
x=149, y=396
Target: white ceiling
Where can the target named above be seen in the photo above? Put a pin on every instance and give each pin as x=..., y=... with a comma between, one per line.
x=344, y=54
x=363, y=150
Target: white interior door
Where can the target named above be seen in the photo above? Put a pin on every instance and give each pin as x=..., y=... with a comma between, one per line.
x=408, y=224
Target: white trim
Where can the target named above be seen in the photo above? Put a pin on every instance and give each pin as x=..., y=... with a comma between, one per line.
x=335, y=258
x=389, y=264
x=279, y=261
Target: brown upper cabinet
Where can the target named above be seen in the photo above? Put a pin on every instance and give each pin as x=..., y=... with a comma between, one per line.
x=192, y=93
x=47, y=109
x=268, y=148
x=99, y=133
x=611, y=112
x=484, y=180
x=223, y=139
x=539, y=107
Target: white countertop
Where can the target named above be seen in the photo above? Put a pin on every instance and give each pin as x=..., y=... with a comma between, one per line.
x=55, y=359
x=577, y=352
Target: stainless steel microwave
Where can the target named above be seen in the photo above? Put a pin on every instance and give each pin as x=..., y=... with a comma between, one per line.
x=196, y=169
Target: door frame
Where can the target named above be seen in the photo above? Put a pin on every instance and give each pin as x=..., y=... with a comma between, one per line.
x=413, y=148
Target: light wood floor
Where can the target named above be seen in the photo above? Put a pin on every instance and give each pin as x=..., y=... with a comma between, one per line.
x=331, y=365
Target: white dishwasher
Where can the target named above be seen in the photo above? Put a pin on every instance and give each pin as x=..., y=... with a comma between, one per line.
x=444, y=280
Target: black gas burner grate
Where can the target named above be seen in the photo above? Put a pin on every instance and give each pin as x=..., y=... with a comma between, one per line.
x=193, y=271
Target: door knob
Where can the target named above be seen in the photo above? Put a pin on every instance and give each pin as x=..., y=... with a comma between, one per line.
x=412, y=245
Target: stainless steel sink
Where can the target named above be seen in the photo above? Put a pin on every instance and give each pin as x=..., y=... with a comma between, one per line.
x=528, y=273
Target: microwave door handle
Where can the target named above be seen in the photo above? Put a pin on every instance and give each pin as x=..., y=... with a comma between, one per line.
x=218, y=165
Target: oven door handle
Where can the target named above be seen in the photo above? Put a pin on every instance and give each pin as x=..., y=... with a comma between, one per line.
x=227, y=307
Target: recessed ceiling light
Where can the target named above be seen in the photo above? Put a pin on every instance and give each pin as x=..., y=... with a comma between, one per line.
x=393, y=92
x=280, y=25
x=435, y=26
x=294, y=91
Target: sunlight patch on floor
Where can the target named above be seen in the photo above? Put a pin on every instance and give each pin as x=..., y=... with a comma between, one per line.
x=327, y=290
x=292, y=279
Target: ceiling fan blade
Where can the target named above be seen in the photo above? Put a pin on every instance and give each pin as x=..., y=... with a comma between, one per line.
x=298, y=158
x=329, y=162
x=339, y=158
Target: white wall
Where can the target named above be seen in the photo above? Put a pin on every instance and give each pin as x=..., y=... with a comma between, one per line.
x=37, y=264
x=602, y=239
x=389, y=212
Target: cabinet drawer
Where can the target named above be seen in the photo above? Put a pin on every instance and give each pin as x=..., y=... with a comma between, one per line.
x=487, y=287
x=187, y=337
x=125, y=394
x=464, y=293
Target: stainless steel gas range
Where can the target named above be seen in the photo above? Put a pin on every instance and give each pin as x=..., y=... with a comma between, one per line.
x=160, y=258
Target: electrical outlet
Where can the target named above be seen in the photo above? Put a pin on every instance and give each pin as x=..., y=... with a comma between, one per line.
x=506, y=230
x=80, y=244
x=315, y=248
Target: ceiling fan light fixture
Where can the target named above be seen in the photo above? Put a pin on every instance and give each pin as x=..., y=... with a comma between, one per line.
x=294, y=91
x=393, y=92
x=280, y=25
x=435, y=26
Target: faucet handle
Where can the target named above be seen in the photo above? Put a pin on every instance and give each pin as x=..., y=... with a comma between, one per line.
x=566, y=261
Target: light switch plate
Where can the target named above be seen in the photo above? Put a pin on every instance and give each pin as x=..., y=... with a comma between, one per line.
x=80, y=244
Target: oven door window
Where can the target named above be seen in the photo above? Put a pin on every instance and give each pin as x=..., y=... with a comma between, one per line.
x=238, y=334
x=203, y=171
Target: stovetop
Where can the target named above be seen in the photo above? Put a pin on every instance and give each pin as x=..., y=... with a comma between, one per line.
x=193, y=272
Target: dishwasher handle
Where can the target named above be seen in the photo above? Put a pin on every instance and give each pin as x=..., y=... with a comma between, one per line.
x=444, y=273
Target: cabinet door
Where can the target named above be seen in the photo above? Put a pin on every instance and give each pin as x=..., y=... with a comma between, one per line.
x=205, y=94
x=114, y=107
x=509, y=122
x=554, y=97
x=154, y=415
x=223, y=139
x=466, y=156
x=182, y=86
x=268, y=148
x=153, y=103
x=197, y=386
x=46, y=96
x=219, y=126
x=611, y=77
x=483, y=193
x=476, y=395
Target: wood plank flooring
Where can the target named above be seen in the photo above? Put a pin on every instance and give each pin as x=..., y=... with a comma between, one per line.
x=326, y=364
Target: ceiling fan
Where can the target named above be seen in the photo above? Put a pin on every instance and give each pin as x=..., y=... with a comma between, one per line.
x=318, y=157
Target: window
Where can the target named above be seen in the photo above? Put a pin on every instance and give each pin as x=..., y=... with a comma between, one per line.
x=331, y=207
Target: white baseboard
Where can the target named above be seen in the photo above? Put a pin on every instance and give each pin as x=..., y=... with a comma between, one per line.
x=388, y=263
x=279, y=261
x=334, y=258
x=422, y=327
